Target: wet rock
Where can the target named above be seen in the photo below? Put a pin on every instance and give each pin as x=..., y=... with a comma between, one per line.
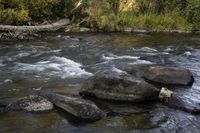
x=137, y=70
x=179, y=102
x=165, y=94
x=31, y=103
x=113, y=85
x=76, y=106
x=168, y=120
x=168, y=76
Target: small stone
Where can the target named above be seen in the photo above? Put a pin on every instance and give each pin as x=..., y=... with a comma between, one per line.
x=165, y=94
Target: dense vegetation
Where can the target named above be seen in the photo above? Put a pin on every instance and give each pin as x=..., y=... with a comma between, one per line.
x=107, y=14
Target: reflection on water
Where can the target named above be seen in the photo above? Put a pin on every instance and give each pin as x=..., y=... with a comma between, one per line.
x=60, y=63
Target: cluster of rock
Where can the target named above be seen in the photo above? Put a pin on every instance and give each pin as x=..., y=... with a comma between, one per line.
x=115, y=86
x=111, y=85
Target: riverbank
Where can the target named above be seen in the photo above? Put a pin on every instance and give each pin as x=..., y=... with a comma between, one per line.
x=106, y=15
x=72, y=29
x=29, y=35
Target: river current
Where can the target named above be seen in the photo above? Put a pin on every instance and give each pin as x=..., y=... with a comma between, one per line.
x=61, y=62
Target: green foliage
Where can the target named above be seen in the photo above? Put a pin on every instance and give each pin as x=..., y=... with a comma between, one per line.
x=193, y=13
x=23, y=11
x=161, y=6
x=40, y=9
x=107, y=14
x=151, y=21
x=152, y=14
x=13, y=11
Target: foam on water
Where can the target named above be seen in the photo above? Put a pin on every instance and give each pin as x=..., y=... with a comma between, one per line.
x=115, y=57
x=117, y=70
x=140, y=62
x=22, y=54
x=168, y=50
x=187, y=53
x=146, y=49
x=191, y=96
x=55, y=66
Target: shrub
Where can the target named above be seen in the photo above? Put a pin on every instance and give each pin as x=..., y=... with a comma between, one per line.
x=193, y=13
x=22, y=11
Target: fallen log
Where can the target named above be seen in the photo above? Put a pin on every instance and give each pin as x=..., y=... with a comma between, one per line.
x=48, y=27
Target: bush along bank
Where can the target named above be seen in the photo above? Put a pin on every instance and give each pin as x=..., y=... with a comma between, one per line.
x=131, y=15
x=106, y=15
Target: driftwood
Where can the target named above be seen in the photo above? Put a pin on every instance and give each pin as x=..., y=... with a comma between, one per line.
x=49, y=27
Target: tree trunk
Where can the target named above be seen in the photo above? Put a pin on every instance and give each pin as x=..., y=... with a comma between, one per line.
x=49, y=27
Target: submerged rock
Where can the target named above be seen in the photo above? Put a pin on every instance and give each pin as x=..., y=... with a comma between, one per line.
x=31, y=103
x=78, y=107
x=112, y=85
x=168, y=76
x=178, y=102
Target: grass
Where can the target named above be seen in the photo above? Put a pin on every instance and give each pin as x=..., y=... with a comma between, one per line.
x=150, y=21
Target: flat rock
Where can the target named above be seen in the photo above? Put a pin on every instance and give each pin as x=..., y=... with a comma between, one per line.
x=119, y=86
x=80, y=108
x=168, y=76
x=33, y=103
x=137, y=70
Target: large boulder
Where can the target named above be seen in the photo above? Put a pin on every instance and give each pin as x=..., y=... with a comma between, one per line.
x=168, y=76
x=33, y=103
x=76, y=106
x=113, y=85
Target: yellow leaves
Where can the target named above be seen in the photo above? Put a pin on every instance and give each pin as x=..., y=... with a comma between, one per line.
x=104, y=21
x=128, y=5
x=11, y=15
x=22, y=16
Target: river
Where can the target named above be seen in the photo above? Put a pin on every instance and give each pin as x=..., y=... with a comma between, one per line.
x=61, y=62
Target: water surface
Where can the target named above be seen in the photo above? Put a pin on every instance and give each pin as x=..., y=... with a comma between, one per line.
x=61, y=62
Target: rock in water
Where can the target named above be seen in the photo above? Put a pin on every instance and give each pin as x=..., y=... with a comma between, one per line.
x=78, y=107
x=178, y=102
x=112, y=85
x=31, y=103
x=168, y=76
x=165, y=94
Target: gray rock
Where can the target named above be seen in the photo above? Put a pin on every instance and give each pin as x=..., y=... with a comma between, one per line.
x=31, y=103
x=168, y=76
x=177, y=101
x=112, y=85
x=76, y=106
x=137, y=70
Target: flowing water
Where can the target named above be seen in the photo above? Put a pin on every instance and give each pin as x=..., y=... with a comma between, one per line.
x=61, y=62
